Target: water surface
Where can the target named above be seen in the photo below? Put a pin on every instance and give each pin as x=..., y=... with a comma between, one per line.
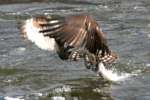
x=29, y=73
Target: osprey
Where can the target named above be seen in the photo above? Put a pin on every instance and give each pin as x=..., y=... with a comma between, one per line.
x=72, y=37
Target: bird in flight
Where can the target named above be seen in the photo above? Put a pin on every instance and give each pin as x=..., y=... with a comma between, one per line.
x=71, y=37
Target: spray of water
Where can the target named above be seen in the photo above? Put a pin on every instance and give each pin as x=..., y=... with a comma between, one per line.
x=111, y=74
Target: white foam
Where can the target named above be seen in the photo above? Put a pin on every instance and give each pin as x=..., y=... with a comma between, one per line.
x=65, y=88
x=8, y=81
x=38, y=94
x=21, y=49
x=12, y=98
x=33, y=35
x=58, y=98
x=148, y=65
x=111, y=74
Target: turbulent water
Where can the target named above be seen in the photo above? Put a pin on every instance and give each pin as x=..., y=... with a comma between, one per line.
x=29, y=73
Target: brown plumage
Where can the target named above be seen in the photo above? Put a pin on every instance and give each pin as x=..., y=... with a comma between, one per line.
x=77, y=36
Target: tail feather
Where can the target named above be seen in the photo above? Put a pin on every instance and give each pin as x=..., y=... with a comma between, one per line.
x=108, y=58
x=92, y=61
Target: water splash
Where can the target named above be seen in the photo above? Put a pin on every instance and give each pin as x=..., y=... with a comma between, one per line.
x=12, y=98
x=64, y=88
x=111, y=74
x=58, y=98
x=56, y=93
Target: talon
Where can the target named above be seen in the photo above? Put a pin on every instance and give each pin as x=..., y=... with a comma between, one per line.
x=90, y=61
x=88, y=65
x=94, y=68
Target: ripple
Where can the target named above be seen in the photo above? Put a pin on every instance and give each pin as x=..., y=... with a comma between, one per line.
x=148, y=35
x=127, y=24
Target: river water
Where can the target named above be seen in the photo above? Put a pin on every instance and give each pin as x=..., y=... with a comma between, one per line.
x=29, y=73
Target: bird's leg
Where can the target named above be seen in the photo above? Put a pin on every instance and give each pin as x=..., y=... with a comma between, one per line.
x=90, y=61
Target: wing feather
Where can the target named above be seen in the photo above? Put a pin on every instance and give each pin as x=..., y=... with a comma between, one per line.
x=80, y=31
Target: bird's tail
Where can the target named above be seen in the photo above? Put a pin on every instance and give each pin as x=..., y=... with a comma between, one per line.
x=108, y=58
x=92, y=61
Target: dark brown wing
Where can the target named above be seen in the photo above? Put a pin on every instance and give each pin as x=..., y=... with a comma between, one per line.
x=73, y=33
x=80, y=31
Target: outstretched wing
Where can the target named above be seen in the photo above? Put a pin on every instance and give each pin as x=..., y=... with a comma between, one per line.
x=67, y=34
x=80, y=31
x=30, y=30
